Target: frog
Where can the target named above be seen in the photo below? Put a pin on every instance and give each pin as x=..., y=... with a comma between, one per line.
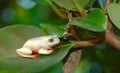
x=39, y=45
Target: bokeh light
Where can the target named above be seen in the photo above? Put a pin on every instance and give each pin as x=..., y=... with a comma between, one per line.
x=27, y=4
x=7, y=15
x=96, y=68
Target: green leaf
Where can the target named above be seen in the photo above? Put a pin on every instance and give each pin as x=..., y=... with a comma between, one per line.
x=55, y=69
x=13, y=37
x=69, y=5
x=99, y=59
x=94, y=21
x=52, y=29
x=114, y=13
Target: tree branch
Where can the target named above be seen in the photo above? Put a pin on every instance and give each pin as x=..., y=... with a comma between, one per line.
x=87, y=43
x=111, y=38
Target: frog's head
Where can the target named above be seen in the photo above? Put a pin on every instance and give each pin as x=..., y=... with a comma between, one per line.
x=52, y=41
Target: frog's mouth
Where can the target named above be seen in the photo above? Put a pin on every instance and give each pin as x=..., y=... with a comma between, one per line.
x=54, y=47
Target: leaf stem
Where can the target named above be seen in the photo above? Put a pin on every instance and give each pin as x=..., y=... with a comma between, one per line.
x=101, y=4
x=70, y=16
x=108, y=1
x=56, y=9
x=77, y=6
x=80, y=9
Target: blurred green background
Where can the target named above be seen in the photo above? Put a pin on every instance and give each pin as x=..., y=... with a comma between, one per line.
x=102, y=58
x=31, y=12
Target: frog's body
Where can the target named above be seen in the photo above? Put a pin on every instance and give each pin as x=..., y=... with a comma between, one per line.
x=39, y=45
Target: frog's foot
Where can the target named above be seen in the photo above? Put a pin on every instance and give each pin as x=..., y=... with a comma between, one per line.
x=45, y=51
x=26, y=52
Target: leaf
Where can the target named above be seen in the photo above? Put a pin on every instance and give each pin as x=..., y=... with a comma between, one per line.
x=94, y=21
x=13, y=37
x=69, y=5
x=99, y=59
x=55, y=69
x=24, y=65
x=114, y=13
x=52, y=29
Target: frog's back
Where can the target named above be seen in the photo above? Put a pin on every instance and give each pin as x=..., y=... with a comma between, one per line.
x=33, y=41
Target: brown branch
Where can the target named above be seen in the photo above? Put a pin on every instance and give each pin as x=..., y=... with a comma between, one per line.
x=87, y=43
x=70, y=32
x=108, y=1
x=111, y=38
x=72, y=60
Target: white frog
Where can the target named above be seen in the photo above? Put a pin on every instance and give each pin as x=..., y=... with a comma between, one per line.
x=39, y=45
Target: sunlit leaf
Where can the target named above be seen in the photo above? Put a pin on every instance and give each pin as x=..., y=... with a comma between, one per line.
x=52, y=29
x=13, y=37
x=94, y=21
x=69, y=5
x=114, y=13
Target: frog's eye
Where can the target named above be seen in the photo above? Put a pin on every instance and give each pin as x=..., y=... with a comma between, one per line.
x=51, y=40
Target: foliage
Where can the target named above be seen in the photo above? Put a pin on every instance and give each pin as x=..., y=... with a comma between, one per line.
x=113, y=11
x=69, y=4
x=52, y=29
x=10, y=60
x=86, y=18
x=89, y=21
x=99, y=59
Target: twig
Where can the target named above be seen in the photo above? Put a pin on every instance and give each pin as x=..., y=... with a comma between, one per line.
x=101, y=4
x=70, y=30
x=70, y=16
x=108, y=1
x=80, y=9
x=55, y=9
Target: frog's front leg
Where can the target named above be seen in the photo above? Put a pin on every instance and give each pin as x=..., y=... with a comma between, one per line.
x=45, y=51
x=27, y=52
